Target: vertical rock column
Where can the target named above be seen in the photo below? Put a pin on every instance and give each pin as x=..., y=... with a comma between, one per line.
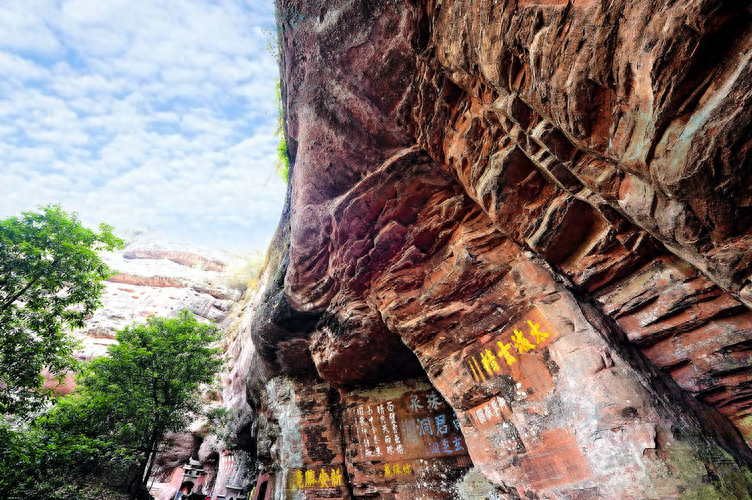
x=308, y=452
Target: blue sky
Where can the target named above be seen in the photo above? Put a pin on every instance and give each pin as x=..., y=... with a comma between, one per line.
x=144, y=114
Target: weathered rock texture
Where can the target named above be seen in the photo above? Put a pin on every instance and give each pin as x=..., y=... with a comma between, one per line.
x=155, y=279
x=540, y=209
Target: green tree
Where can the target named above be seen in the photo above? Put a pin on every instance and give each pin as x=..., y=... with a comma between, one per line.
x=37, y=463
x=50, y=278
x=148, y=385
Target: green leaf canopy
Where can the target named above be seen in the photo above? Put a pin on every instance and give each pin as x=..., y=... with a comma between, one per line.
x=50, y=278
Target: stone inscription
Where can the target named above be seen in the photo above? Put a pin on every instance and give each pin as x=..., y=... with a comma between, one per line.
x=315, y=478
x=417, y=425
x=509, y=347
x=489, y=413
x=397, y=469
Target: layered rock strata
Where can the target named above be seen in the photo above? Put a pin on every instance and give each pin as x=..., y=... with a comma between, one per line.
x=161, y=277
x=540, y=210
x=154, y=279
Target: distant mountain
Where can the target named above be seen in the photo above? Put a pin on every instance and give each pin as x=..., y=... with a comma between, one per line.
x=160, y=277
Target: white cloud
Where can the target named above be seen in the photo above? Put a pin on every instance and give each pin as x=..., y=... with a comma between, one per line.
x=24, y=26
x=141, y=114
x=12, y=66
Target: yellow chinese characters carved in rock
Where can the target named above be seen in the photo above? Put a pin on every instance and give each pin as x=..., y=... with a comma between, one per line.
x=393, y=470
x=324, y=478
x=525, y=337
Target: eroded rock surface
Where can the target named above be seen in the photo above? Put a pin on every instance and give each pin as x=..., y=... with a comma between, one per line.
x=155, y=279
x=538, y=211
x=154, y=285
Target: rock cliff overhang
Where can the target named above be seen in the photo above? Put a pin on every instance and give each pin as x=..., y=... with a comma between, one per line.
x=544, y=203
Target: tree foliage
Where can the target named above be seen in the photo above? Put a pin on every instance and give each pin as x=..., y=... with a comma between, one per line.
x=50, y=278
x=109, y=431
x=35, y=463
x=148, y=385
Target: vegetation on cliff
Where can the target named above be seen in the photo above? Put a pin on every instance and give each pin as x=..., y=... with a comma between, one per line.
x=149, y=385
x=283, y=156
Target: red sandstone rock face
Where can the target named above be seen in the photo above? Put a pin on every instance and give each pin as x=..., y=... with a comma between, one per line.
x=647, y=104
x=157, y=281
x=183, y=258
x=154, y=286
x=547, y=204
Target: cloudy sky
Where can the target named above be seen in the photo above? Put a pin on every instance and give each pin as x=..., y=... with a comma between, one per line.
x=144, y=114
